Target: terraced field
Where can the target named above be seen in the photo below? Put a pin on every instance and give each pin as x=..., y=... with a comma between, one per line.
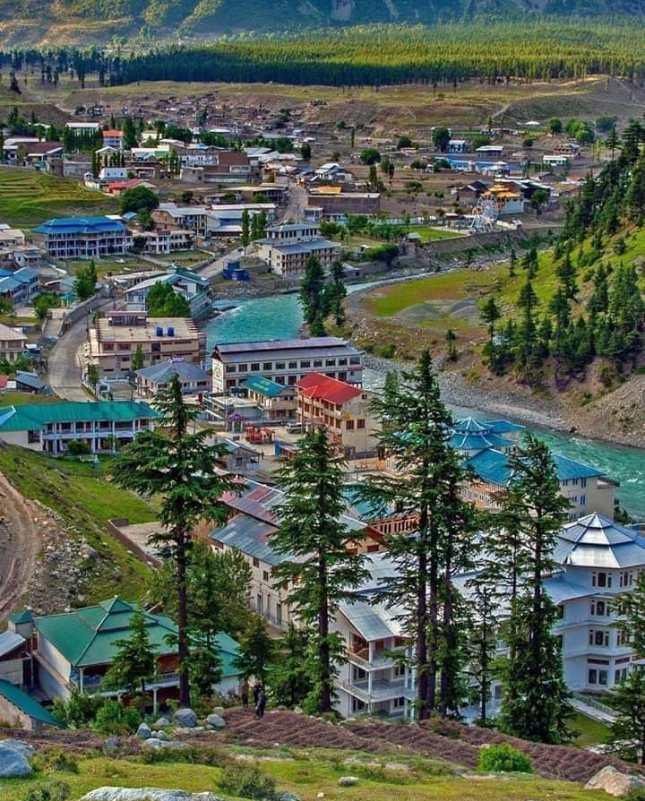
x=28, y=197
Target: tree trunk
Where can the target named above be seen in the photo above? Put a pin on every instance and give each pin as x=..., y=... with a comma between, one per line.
x=433, y=623
x=182, y=618
x=421, y=655
x=324, y=704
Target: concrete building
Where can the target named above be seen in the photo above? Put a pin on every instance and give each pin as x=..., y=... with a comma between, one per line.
x=116, y=336
x=226, y=219
x=276, y=401
x=84, y=237
x=12, y=343
x=285, y=361
x=192, y=218
x=19, y=286
x=335, y=202
x=194, y=380
x=342, y=409
x=50, y=427
x=113, y=138
x=287, y=248
x=74, y=650
x=184, y=282
x=161, y=242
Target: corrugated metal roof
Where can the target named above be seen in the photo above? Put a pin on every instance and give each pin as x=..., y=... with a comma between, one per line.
x=250, y=536
x=264, y=386
x=596, y=541
x=25, y=703
x=9, y=641
x=164, y=371
x=492, y=466
x=32, y=417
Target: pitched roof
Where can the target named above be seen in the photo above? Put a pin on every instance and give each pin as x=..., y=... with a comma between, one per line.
x=322, y=387
x=89, y=636
x=32, y=417
x=493, y=467
x=79, y=225
x=597, y=541
x=264, y=386
x=26, y=703
x=163, y=372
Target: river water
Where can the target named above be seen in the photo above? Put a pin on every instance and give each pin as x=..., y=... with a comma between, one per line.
x=280, y=316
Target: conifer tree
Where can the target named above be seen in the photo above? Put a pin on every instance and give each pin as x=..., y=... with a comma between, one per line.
x=320, y=568
x=313, y=296
x=180, y=468
x=256, y=650
x=246, y=229
x=134, y=662
x=534, y=704
x=290, y=674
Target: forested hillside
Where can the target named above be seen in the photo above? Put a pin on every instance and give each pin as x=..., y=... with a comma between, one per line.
x=32, y=21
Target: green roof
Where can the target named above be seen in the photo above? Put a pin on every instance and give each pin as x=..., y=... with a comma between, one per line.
x=88, y=636
x=21, y=616
x=228, y=650
x=26, y=703
x=32, y=417
x=264, y=386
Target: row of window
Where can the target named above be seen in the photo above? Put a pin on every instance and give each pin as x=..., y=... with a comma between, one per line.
x=302, y=364
x=600, y=677
x=600, y=637
x=574, y=482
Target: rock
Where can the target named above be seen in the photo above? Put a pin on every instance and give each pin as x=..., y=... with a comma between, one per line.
x=161, y=735
x=614, y=782
x=186, y=718
x=145, y=794
x=111, y=744
x=218, y=710
x=143, y=732
x=155, y=743
x=161, y=723
x=14, y=762
x=216, y=721
x=288, y=797
x=348, y=781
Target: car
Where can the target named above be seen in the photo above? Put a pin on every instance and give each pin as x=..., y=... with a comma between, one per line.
x=295, y=428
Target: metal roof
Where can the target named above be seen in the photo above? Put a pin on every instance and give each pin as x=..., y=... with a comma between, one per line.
x=26, y=703
x=165, y=371
x=9, y=641
x=250, y=537
x=264, y=386
x=80, y=225
x=596, y=541
x=492, y=466
x=32, y=417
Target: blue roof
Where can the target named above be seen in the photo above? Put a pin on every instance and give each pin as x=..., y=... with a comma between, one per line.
x=264, y=386
x=165, y=371
x=250, y=536
x=79, y=225
x=492, y=466
x=478, y=441
x=26, y=703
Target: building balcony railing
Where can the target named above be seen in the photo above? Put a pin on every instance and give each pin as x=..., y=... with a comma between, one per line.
x=382, y=690
x=381, y=659
x=94, y=684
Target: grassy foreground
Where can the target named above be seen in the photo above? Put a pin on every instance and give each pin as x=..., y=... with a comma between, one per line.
x=307, y=774
x=84, y=497
x=27, y=197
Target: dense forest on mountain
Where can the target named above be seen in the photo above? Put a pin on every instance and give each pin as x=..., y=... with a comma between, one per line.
x=373, y=55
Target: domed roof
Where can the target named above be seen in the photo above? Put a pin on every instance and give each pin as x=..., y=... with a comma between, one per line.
x=597, y=541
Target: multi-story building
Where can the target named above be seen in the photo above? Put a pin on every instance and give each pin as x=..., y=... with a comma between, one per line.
x=285, y=361
x=84, y=237
x=276, y=401
x=12, y=343
x=184, y=282
x=342, y=409
x=194, y=380
x=19, y=286
x=167, y=240
x=336, y=203
x=192, y=218
x=50, y=427
x=226, y=219
x=116, y=336
x=113, y=138
x=287, y=248
x=210, y=165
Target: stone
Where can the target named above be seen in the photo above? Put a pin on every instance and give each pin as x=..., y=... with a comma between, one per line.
x=111, y=744
x=348, y=781
x=161, y=735
x=14, y=762
x=186, y=718
x=614, y=782
x=215, y=721
x=288, y=797
x=145, y=794
x=161, y=723
x=155, y=743
x=144, y=732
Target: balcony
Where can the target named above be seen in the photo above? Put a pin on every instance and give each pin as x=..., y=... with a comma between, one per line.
x=92, y=684
x=381, y=659
x=382, y=690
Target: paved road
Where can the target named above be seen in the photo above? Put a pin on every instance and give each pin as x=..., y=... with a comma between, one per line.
x=216, y=266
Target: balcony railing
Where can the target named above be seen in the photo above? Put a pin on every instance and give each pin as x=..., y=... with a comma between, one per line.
x=94, y=684
x=382, y=690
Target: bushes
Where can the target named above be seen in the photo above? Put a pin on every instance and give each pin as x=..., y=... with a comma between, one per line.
x=247, y=782
x=114, y=718
x=52, y=791
x=503, y=758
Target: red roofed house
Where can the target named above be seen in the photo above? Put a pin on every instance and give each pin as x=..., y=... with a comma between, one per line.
x=343, y=409
x=120, y=185
x=113, y=138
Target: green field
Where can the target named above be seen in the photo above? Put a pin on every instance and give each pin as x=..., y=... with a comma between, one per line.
x=84, y=497
x=307, y=774
x=10, y=398
x=27, y=197
x=105, y=267
x=590, y=732
x=429, y=234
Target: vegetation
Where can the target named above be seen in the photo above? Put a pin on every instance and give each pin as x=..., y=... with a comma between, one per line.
x=503, y=758
x=321, y=297
x=85, y=283
x=134, y=660
x=163, y=301
x=138, y=199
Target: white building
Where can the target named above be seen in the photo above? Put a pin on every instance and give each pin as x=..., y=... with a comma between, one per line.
x=287, y=248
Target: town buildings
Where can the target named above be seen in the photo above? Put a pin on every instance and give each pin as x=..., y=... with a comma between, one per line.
x=192, y=218
x=117, y=335
x=342, y=409
x=84, y=237
x=284, y=361
x=194, y=380
x=184, y=282
x=287, y=248
x=12, y=343
x=336, y=203
x=276, y=401
x=19, y=286
x=102, y=425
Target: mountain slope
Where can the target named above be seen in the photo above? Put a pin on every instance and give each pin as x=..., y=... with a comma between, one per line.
x=57, y=21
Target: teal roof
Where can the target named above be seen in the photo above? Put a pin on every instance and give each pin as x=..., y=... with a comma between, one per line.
x=264, y=386
x=89, y=636
x=21, y=616
x=492, y=466
x=32, y=417
x=25, y=703
x=228, y=651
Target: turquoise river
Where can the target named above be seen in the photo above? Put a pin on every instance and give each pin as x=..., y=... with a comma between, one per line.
x=280, y=316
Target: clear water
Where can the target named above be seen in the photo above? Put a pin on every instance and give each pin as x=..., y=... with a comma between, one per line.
x=280, y=316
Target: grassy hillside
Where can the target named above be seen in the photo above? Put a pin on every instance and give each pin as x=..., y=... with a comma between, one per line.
x=28, y=197
x=85, y=499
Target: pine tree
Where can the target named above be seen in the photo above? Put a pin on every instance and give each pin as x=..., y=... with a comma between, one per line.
x=138, y=359
x=180, y=468
x=482, y=644
x=527, y=335
x=313, y=296
x=130, y=138
x=335, y=293
x=290, y=675
x=319, y=568
x=490, y=314
x=256, y=650
x=566, y=273
x=415, y=433
x=134, y=662
x=246, y=233
x=534, y=704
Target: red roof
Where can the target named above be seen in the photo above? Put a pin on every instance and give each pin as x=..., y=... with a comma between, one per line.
x=113, y=134
x=126, y=183
x=323, y=387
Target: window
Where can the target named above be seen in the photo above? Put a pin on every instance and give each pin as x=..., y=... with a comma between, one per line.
x=602, y=677
x=255, y=366
x=305, y=363
x=293, y=365
x=583, y=482
x=342, y=362
x=330, y=362
x=600, y=580
x=358, y=674
x=360, y=423
x=560, y=611
x=600, y=608
x=399, y=671
x=279, y=365
x=256, y=562
x=593, y=676
x=243, y=368
x=398, y=703
x=267, y=366
x=354, y=359
x=265, y=575
x=599, y=637
x=583, y=500
x=350, y=425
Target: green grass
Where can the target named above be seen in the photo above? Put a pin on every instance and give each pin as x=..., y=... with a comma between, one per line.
x=11, y=398
x=591, y=732
x=429, y=234
x=84, y=497
x=28, y=197
x=109, y=266
x=307, y=774
x=185, y=258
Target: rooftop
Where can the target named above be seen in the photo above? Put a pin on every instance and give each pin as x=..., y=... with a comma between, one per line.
x=184, y=328
x=33, y=417
x=492, y=466
x=597, y=541
x=322, y=387
x=26, y=703
x=164, y=371
x=80, y=225
x=264, y=386
x=267, y=345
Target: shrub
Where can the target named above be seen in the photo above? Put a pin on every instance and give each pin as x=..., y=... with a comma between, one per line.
x=52, y=791
x=114, y=718
x=60, y=761
x=78, y=711
x=503, y=758
x=247, y=782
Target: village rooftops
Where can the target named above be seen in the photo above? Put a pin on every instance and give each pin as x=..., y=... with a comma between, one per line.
x=319, y=346
x=155, y=328
x=79, y=225
x=164, y=371
x=321, y=387
x=596, y=541
x=492, y=466
x=34, y=417
x=264, y=386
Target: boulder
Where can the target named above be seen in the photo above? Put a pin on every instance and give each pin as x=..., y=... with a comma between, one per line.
x=161, y=735
x=143, y=732
x=146, y=794
x=111, y=744
x=186, y=718
x=161, y=723
x=288, y=797
x=614, y=782
x=155, y=743
x=215, y=721
x=348, y=781
x=218, y=710
x=14, y=762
